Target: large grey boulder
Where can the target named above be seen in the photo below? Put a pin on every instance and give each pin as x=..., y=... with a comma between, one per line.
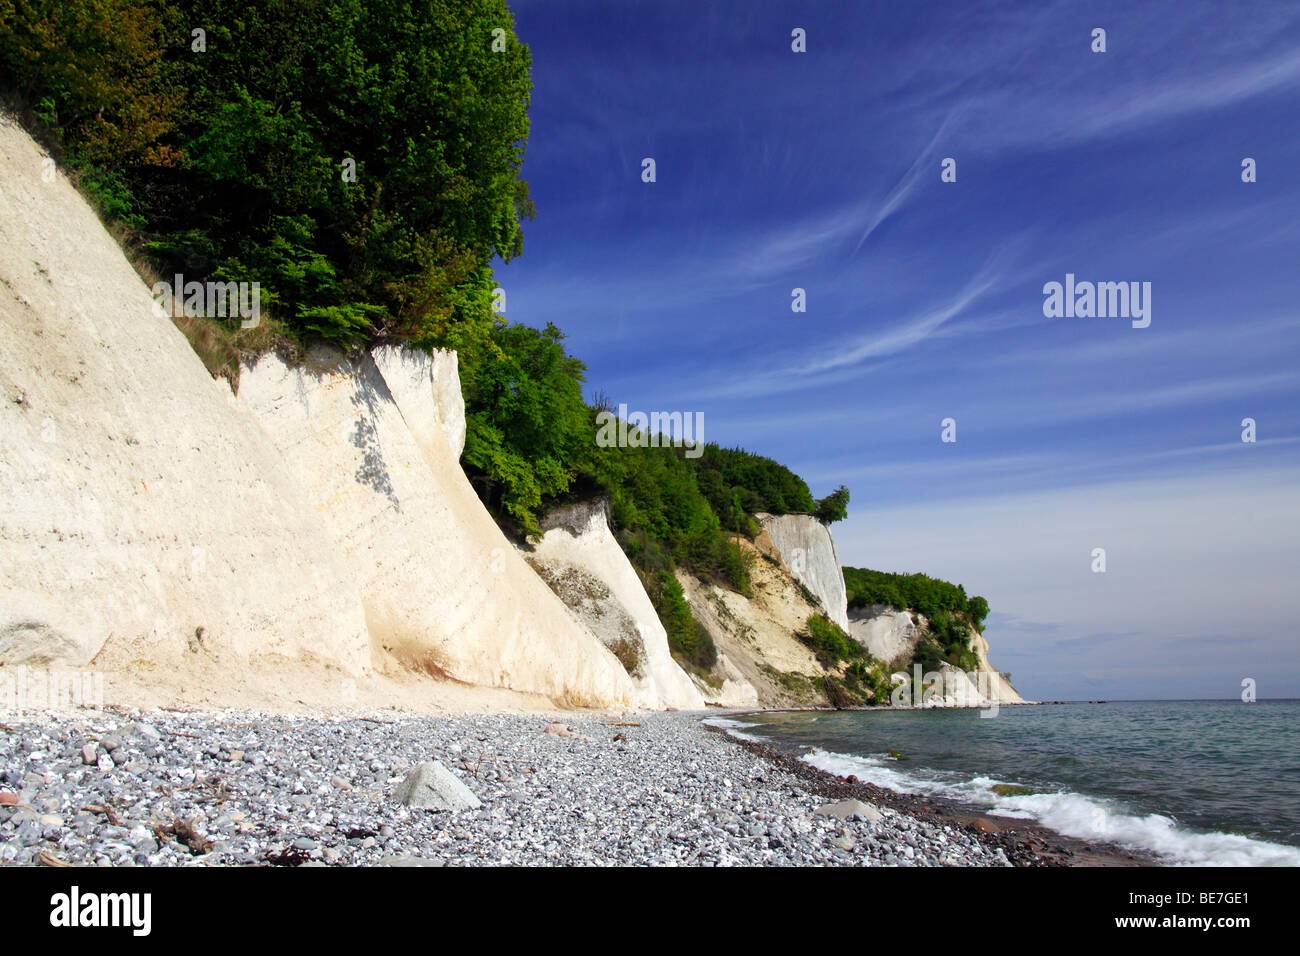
x=431, y=786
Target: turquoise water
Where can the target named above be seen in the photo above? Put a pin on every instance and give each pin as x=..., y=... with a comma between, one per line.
x=1194, y=781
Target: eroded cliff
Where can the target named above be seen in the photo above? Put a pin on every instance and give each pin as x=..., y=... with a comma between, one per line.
x=808, y=550
x=582, y=562
x=375, y=441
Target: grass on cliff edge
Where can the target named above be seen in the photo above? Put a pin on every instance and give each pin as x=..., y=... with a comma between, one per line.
x=221, y=345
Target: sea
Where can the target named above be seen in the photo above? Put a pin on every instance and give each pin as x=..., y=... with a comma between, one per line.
x=1195, y=782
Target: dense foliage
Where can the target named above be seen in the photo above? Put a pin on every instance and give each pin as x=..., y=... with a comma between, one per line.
x=951, y=614
x=95, y=72
x=739, y=483
x=687, y=637
x=230, y=154
x=952, y=634
x=526, y=421
x=917, y=592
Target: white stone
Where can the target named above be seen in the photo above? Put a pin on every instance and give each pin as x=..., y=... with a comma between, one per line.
x=850, y=810
x=431, y=786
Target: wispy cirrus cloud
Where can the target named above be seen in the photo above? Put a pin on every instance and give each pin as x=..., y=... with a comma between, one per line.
x=849, y=355
x=1056, y=99
x=924, y=165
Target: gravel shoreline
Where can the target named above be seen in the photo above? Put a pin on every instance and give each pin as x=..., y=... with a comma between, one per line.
x=238, y=788
x=1024, y=842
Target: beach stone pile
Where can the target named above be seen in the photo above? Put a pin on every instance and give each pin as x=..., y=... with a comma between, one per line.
x=238, y=788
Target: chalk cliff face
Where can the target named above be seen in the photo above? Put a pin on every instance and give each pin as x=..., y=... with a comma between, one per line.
x=888, y=633
x=808, y=550
x=148, y=514
x=375, y=441
x=581, y=560
x=1000, y=688
x=138, y=502
x=761, y=661
x=149, y=517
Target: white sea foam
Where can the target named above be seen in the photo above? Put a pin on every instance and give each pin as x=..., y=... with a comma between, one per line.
x=734, y=728
x=1073, y=814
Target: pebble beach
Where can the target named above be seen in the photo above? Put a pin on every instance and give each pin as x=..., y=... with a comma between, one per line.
x=162, y=788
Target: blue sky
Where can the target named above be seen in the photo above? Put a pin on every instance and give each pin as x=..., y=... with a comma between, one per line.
x=821, y=171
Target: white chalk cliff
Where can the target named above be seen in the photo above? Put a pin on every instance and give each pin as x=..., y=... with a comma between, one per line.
x=375, y=441
x=760, y=658
x=581, y=560
x=322, y=514
x=888, y=633
x=1000, y=688
x=808, y=550
x=138, y=502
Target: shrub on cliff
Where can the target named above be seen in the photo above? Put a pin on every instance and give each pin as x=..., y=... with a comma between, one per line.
x=739, y=483
x=829, y=641
x=873, y=677
x=953, y=635
x=687, y=638
x=525, y=421
x=840, y=692
x=660, y=514
x=917, y=592
x=928, y=654
x=834, y=507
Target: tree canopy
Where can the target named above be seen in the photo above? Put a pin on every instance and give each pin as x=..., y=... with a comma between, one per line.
x=918, y=592
x=360, y=159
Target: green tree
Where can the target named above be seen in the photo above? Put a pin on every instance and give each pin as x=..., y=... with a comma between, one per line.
x=526, y=421
x=834, y=507
x=230, y=160
x=91, y=72
x=410, y=92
